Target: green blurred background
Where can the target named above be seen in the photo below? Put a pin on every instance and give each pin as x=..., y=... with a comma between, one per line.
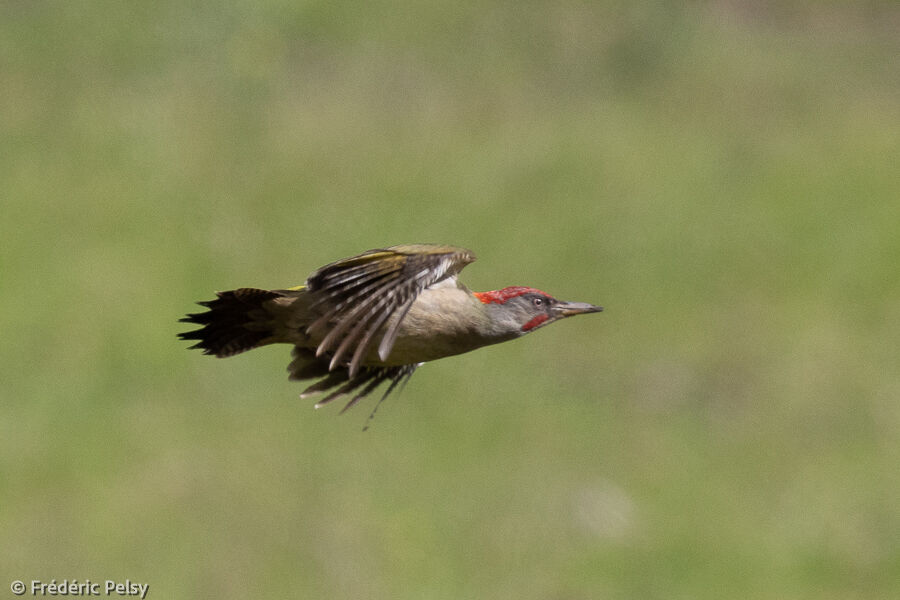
x=721, y=176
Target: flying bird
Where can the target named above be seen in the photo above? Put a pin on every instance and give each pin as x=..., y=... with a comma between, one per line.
x=374, y=318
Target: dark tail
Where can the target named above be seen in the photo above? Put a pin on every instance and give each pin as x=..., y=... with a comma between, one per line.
x=236, y=322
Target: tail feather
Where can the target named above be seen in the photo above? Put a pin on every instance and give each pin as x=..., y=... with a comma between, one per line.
x=235, y=322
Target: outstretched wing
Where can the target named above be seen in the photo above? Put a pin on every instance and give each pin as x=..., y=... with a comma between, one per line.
x=356, y=296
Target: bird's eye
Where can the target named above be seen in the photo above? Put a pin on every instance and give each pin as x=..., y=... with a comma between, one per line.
x=538, y=302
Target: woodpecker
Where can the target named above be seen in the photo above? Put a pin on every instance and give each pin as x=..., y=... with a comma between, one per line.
x=373, y=318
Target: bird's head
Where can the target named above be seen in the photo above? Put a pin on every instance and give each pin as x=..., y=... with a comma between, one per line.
x=518, y=310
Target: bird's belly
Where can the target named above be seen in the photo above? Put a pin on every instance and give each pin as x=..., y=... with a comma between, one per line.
x=443, y=321
x=417, y=349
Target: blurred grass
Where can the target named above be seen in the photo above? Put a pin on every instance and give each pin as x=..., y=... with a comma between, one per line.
x=721, y=176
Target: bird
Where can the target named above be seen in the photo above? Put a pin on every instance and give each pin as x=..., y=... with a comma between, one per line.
x=374, y=318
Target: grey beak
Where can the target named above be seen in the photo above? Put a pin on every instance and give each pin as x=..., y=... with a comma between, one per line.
x=568, y=309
